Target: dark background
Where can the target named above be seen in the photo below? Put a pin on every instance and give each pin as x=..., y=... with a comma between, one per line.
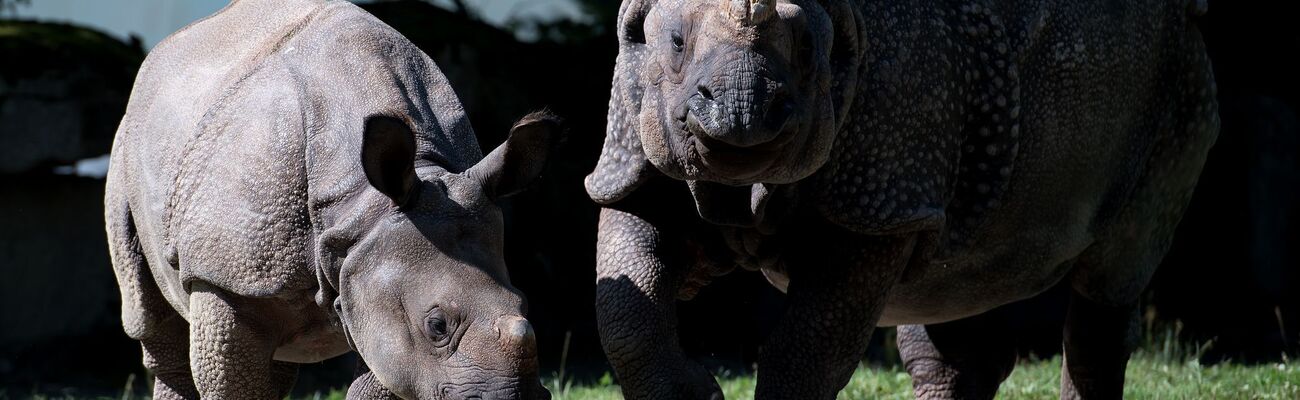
x=1230, y=284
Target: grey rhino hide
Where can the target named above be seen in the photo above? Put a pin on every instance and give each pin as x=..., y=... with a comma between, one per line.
x=291, y=72
x=981, y=153
x=622, y=165
x=239, y=157
x=884, y=174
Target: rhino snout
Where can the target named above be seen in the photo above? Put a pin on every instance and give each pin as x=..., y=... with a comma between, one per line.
x=533, y=391
x=738, y=133
x=515, y=336
x=740, y=117
x=530, y=391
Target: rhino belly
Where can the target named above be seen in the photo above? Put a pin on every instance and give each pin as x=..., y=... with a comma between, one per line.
x=980, y=279
x=317, y=341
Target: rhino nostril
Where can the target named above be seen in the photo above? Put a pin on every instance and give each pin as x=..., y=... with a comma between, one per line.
x=779, y=113
x=704, y=92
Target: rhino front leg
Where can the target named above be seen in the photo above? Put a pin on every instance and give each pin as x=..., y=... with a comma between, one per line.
x=963, y=359
x=837, y=292
x=636, y=294
x=365, y=386
x=230, y=351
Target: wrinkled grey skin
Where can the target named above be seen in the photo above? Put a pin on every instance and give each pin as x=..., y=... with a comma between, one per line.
x=911, y=163
x=293, y=179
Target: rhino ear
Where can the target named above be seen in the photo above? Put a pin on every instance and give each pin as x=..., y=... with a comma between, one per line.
x=846, y=54
x=513, y=165
x=631, y=21
x=388, y=157
x=623, y=166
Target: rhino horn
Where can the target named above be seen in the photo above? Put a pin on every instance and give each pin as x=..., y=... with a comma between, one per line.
x=752, y=12
x=516, y=334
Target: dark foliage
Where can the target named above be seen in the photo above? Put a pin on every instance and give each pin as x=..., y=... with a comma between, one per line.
x=1231, y=275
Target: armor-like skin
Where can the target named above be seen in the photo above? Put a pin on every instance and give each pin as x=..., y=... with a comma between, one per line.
x=294, y=179
x=897, y=162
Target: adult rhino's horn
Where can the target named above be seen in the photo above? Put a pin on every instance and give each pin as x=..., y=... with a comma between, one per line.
x=752, y=12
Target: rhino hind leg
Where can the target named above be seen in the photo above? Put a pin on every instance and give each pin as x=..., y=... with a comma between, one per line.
x=167, y=356
x=963, y=359
x=230, y=353
x=1098, y=340
x=146, y=315
x=1110, y=275
x=144, y=309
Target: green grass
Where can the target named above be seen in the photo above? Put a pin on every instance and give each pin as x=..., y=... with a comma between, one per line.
x=1149, y=377
x=1162, y=368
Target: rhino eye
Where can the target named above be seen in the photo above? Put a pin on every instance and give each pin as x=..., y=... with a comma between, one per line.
x=437, y=327
x=675, y=59
x=679, y=44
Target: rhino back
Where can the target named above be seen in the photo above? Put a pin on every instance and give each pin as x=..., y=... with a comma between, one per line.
x=244, y=132
x=1101, y=84
x=970, y=106
x=1096, y=88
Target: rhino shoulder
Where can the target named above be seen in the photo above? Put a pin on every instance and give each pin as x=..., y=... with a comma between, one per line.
x=358, y=61
x=283, y=143
x=941, y=157
x=239, y=205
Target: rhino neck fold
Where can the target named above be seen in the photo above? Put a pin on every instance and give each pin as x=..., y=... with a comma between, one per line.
x=759, y=206
x=339, y=223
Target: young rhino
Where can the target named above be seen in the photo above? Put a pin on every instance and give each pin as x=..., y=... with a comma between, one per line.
x=293, y=179
x=895, y=162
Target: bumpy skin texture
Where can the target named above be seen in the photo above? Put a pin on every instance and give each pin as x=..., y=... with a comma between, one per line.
x=293, y=180
x=913, y=163
x=966, y=358
x=367, y=387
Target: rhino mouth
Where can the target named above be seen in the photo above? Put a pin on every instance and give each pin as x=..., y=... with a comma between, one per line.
x=728, y=160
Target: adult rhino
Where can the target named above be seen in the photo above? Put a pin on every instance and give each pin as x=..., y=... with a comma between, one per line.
x=293, y=179
x=911, y=163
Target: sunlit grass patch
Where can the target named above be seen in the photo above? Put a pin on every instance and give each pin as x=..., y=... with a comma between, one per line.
x=1149, y=377
x=1159, y=373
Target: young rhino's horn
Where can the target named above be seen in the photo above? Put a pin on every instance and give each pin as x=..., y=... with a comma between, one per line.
x=516, y=334
x=752, y=12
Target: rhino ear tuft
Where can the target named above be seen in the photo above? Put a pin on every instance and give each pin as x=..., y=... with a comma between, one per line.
x=388, y=157
x=515, y=164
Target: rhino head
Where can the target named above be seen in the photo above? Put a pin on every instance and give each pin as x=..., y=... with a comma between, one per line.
x=423, y=292
x=734, y=91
